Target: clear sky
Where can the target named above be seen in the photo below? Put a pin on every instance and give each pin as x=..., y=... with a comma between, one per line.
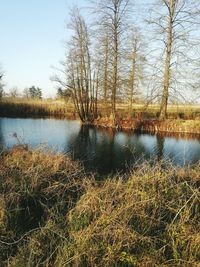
x=32, y=36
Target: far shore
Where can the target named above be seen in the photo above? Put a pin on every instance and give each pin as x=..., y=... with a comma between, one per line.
x=152, y=125
x=181, y=119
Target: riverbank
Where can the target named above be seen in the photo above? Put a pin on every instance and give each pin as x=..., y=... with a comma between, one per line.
x=181, y=119
x=53, y=213
x=36, y=108
x=49, y=107
x=151, y=125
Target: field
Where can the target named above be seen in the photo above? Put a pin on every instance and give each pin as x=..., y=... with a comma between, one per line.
x=52, y=213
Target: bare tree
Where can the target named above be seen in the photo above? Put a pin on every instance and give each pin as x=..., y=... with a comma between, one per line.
x=14, y=92
x=102, y=52
x=175, y=21
x=77, y=69
x=134, y=60
x=105, y=67
x=113, y=16
x=1, y=84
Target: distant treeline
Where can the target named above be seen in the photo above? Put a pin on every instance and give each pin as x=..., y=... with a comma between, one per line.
x=32, y=92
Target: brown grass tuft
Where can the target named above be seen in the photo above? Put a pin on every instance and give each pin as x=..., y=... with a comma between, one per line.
x=53, y=215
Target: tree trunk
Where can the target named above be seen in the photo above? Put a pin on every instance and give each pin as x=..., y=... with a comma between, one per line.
x=132, y=78
x=165, y=95
x=105, y=79
x=115, y=63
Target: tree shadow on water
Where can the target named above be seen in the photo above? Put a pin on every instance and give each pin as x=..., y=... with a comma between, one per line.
x=2, y=141
x=100, y=150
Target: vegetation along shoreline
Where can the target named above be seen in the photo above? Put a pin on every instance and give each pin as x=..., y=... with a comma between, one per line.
x=180, y=120
x=152, y=126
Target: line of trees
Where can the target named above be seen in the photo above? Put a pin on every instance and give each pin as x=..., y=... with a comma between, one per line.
x=115, y=59
x=109, y=59
x=33, y=92
x=29, y=93
x=81, y=76
x=63, y=93
x=175, y=23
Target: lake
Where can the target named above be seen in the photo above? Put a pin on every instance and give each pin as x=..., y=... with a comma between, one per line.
x=104, y=151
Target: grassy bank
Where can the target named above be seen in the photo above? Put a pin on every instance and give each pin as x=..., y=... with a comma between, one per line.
x=181, y=119
x=152, y=125
x=28, y=107
x=142, y=111
x=53, y=214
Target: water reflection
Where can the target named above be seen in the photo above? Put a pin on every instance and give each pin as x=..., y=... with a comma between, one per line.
x=1, y=135
x=107, y=151
x=104, y=151
x=160, y=147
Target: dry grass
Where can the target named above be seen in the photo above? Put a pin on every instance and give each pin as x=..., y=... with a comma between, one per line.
x=142, y=111
x=153, y=126
x=31, y=107
x=149, y=217
x=34, y=186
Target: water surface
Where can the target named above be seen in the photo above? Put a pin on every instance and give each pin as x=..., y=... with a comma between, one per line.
x=104, y=151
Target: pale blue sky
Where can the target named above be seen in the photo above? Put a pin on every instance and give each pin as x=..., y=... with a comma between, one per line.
x=32, y=35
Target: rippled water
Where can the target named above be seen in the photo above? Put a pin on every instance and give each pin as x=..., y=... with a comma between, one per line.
x=100, y=150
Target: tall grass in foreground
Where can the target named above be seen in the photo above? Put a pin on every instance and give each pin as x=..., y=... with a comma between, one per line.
x=53, y=214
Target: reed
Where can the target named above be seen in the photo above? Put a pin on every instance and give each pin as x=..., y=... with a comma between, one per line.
x=151, y=111
x=54, y=214
x=29, y=107
x=172, y=126
x=49, y=107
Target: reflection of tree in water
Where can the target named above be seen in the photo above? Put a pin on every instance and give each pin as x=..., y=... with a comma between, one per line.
x=2, y=141
x=136, y=149
x=92, y=149
x=160, y=147
x=101, y=150
x=179, y=151
x=106, y=151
